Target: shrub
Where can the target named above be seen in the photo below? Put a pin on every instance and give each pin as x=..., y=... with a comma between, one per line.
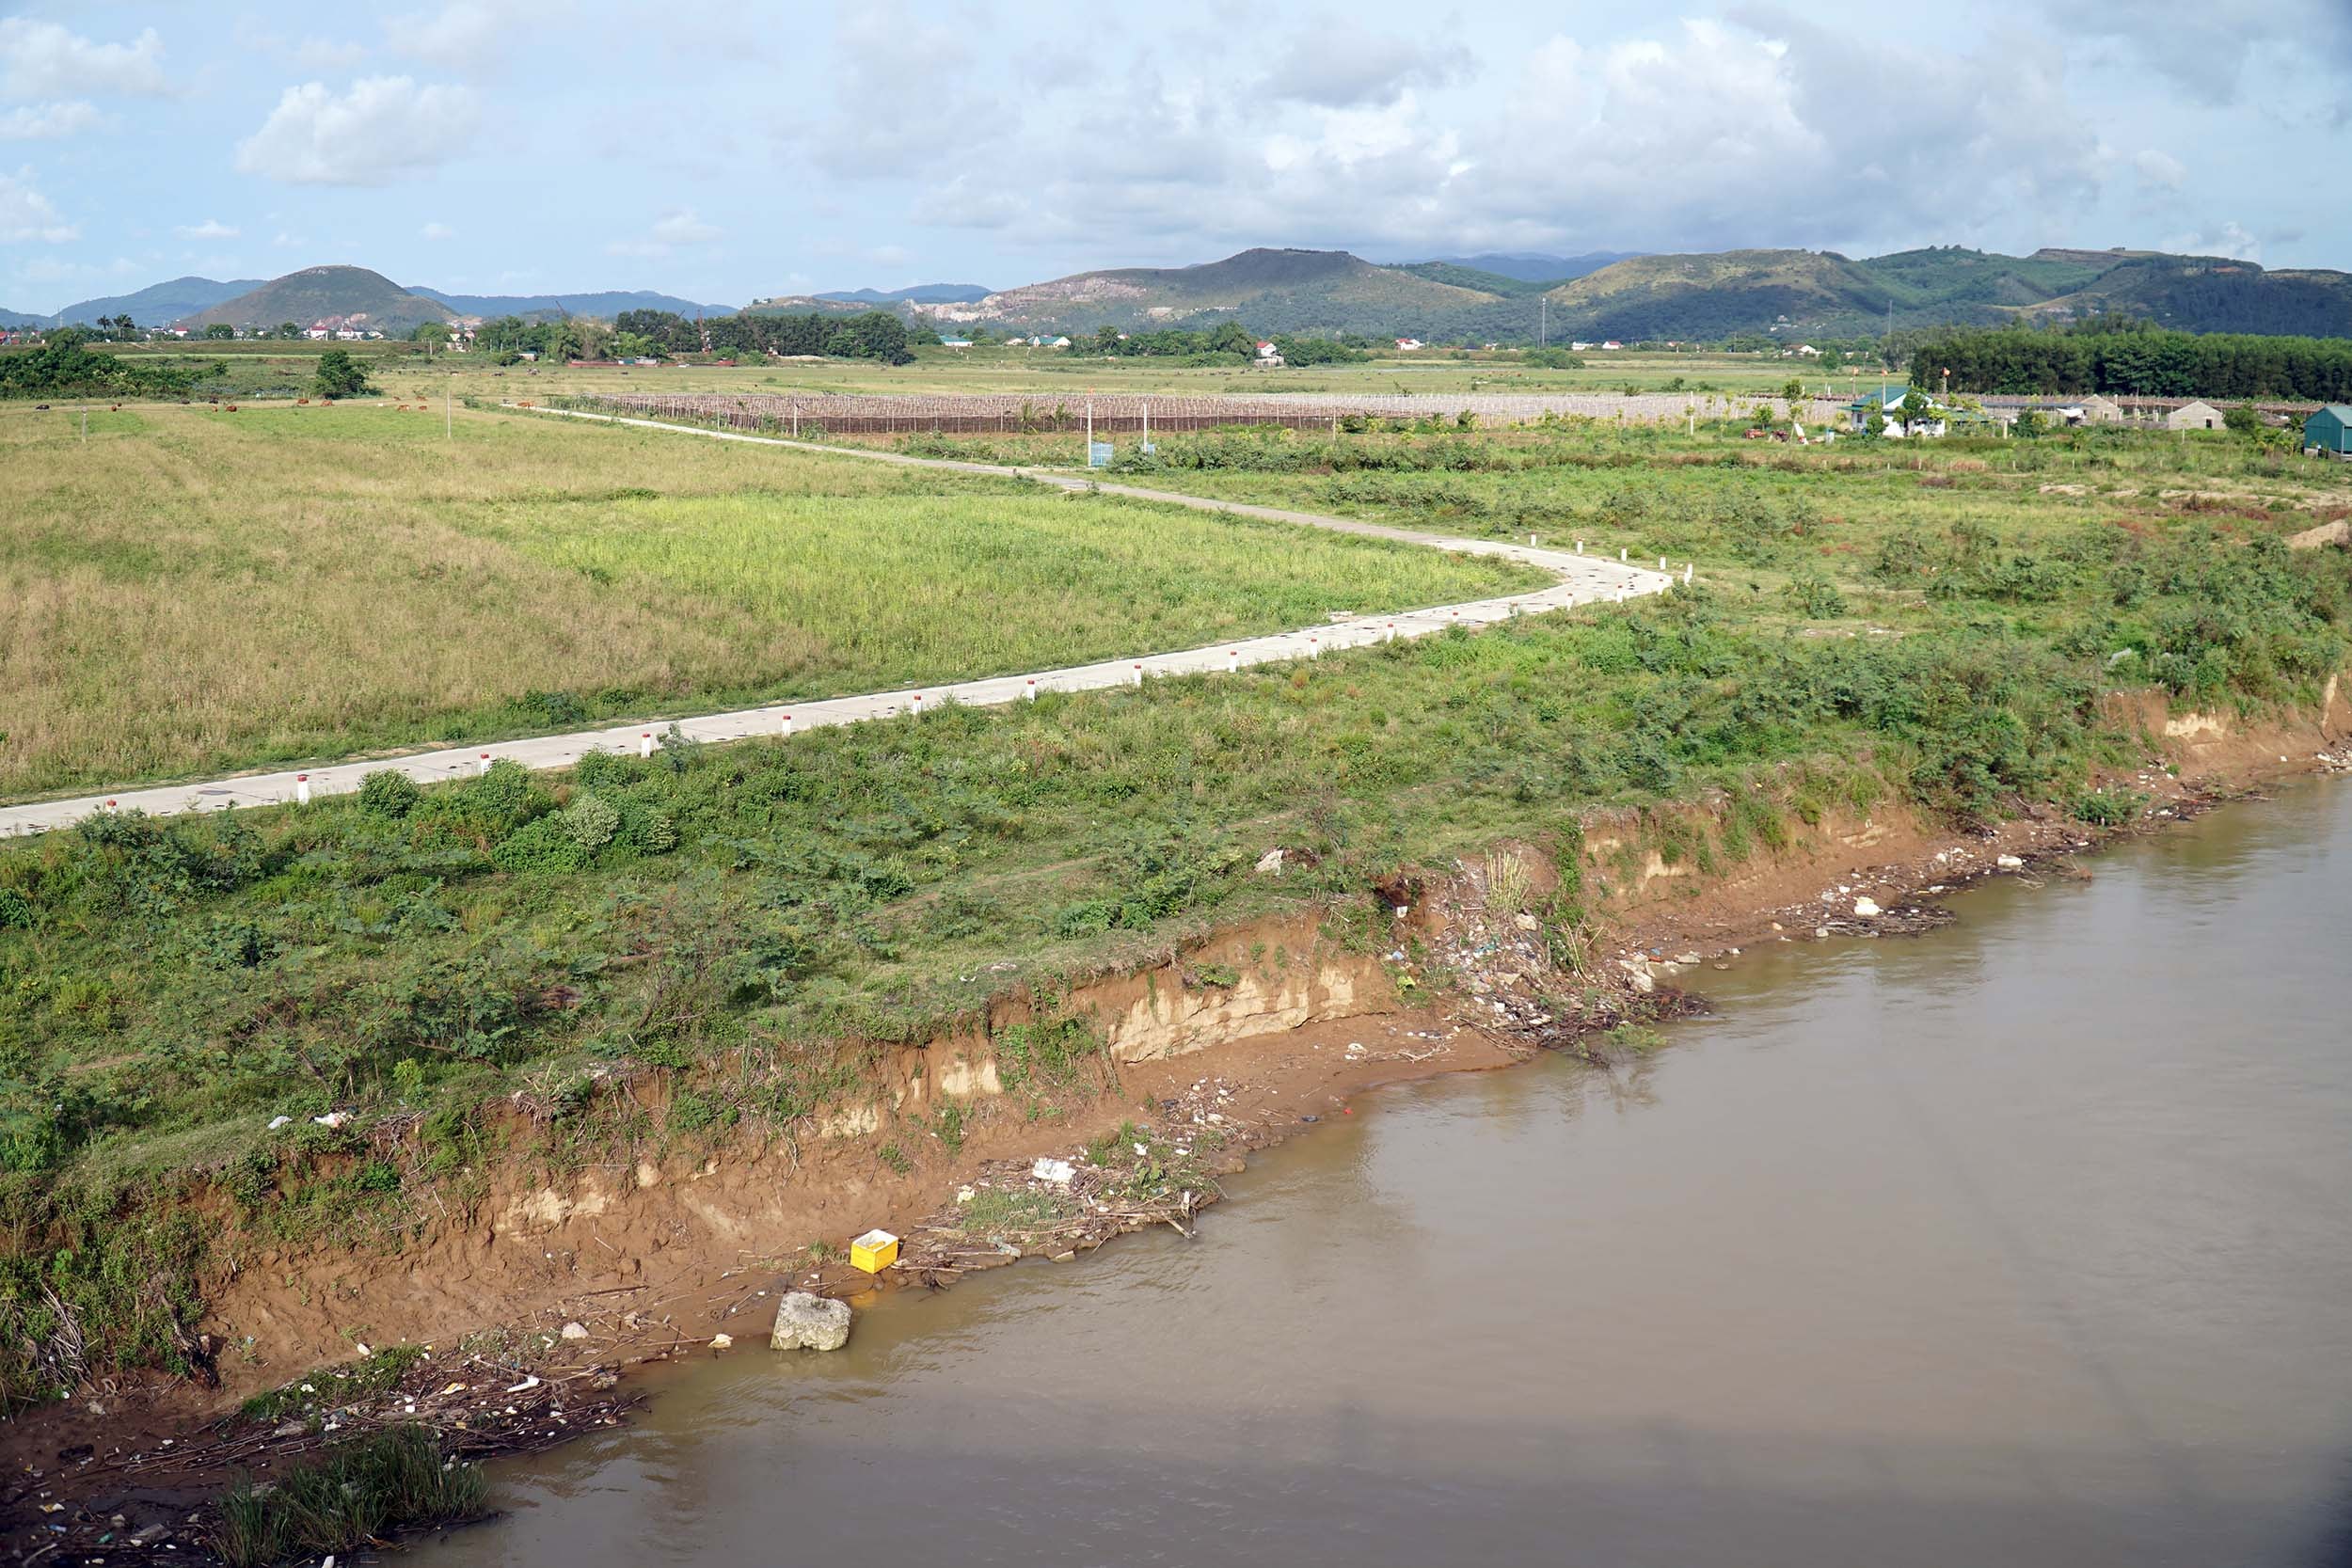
x=547, y=845
x=389, y=793
x=1816, y=596
x=592, y=822
x=16, y=911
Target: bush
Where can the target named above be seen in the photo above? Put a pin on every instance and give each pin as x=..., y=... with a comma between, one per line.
x=592, y=822
x=546, y=845
x=1816, y=596
x=388, y=794
x=16, y=911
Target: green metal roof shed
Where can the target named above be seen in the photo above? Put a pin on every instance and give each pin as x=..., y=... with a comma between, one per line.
x=2330, y=430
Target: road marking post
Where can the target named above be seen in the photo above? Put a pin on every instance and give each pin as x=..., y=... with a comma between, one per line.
x=918, y=705
x=1232, y=661
x=787, y=726
x=482, y=763
x=1030, y=695
x=1138, y=675
x=645, y=744
x=302, y=788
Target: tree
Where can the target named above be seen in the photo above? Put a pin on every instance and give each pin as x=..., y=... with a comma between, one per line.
x=288, y=329
x=2032, y=425
x=429, y=334
x=1794, y=391
x=220, y=330
x=340, y=376
x=2241, y=419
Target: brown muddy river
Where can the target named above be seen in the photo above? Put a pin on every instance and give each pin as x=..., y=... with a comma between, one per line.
x=2025, y=1242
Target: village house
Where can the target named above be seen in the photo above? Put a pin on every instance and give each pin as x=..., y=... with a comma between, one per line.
x=2329, y=431
x=1270, y=356
x=1407, y=345
x=2194, y=416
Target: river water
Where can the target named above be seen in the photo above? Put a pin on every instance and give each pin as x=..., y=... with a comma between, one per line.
x=2029, y=1242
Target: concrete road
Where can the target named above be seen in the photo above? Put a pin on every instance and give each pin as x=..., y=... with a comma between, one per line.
x=1579, y=579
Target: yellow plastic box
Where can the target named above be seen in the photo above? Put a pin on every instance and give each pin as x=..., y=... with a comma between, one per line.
x=874, y=1251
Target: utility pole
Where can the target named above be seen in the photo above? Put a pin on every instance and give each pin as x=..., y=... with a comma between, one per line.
x=1543, y=318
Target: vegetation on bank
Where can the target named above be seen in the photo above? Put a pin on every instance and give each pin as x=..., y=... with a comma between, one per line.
x=192, y=591
x=532, y=970
x=352, y=1496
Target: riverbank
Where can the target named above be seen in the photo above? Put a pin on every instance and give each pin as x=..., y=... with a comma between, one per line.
x=1249, y=1039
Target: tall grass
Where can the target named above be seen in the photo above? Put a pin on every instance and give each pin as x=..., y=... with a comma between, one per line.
x=197, y=592
x=352, y=1496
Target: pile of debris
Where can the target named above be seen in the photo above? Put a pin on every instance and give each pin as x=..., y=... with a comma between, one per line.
x=1159, y=1172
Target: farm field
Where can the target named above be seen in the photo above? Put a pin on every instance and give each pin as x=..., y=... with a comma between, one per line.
x=277, y=369
x=194, y=591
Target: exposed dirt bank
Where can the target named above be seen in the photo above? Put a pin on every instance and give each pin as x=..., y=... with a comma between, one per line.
x=621, y=1264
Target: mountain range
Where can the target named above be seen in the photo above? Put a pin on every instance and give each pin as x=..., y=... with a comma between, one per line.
x=1702, y=296
x=1602, y=295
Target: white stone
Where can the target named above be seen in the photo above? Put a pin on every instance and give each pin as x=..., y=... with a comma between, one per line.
x=1270, y=864
x=807, y=1322
x=2007, y=862
x=575, y=1331
x=1866, y=907
x=1050, y=1169
x=723, y=1341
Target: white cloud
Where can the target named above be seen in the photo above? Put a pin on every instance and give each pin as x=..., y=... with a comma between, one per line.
x=42, y=60
x=674, y=227
x=1340, y=65
x=681, y=227
x=437, y=231
x=211, y=228
x=26, y=215
x=462, y=35
x=384, y=129
x=2206, y=46
x=2230, y=239
x=2160, y=169
x=48, y=122
x=287, y=241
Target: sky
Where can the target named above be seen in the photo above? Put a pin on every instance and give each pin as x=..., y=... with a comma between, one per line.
x=724, y=154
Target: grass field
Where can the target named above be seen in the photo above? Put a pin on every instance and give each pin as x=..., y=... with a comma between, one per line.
x=192, y=591
x=1932, y=624
x=272, y=370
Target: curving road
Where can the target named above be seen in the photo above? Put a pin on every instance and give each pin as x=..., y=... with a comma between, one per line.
x=1579, y=579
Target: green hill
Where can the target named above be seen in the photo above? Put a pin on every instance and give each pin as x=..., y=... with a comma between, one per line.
x=1269, y=291
x=354, y=295
x=1825, y=294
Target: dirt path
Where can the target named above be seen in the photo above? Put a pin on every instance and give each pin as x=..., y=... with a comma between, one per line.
x=1581, y=579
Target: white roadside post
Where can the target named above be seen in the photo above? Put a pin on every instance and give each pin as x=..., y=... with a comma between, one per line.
x=1232, y=661
x=1031, y=694
x=1138, y=675
x=1686, y=573
x=645, y=744
x=1314, y=647
x=482, y=764
x=787, y=726
x=918, y=705
x=302, y=788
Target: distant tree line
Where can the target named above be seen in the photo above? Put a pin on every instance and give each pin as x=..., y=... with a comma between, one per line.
x=65, y=366
x=1227, y=341
x=2135, y=358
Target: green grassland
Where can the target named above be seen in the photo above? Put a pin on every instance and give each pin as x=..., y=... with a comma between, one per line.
x=739, y=925
x=402, y=371
x=191, y=591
